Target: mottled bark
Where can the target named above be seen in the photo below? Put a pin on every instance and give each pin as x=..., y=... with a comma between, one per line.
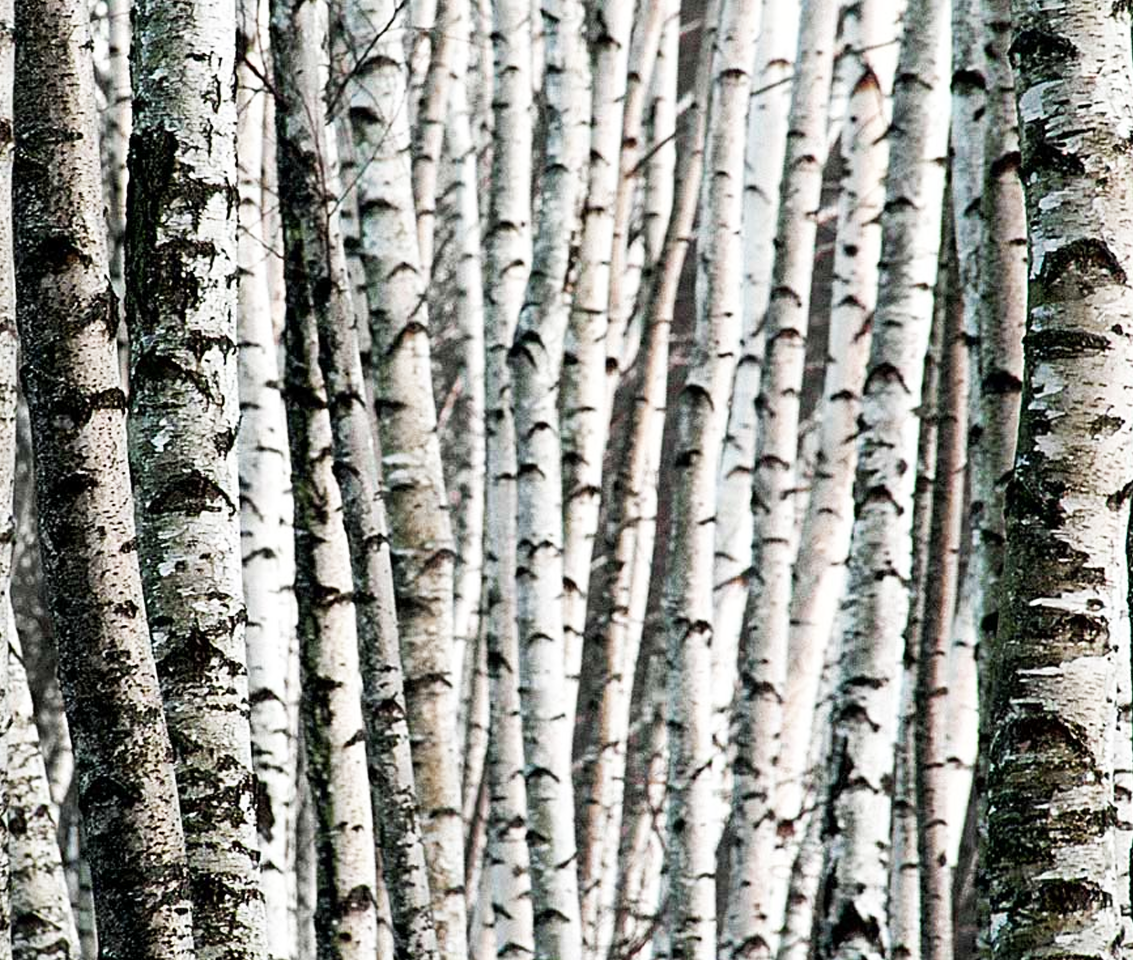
x=68, y=327
x=184, y=409
x=1051, y=712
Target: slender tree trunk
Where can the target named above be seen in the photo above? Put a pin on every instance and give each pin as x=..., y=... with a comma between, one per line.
x=507, y=243
x=584, y=414
x=535, y=361
x=855, y=877
x=940, y=587
x=265, y=509
x=869, y=32
x=768, y=110
x=122, y=750
x=1050, y=855
x=615, y=640
x=753, y=920
x=346, y=913
x=42, y=923
x=420, y=530
x=701, y=418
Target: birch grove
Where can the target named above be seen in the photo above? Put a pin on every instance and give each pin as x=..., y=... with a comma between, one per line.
x=641, y=480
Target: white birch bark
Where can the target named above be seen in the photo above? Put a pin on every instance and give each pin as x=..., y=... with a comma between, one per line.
x=1050, y=855
x=507, y=257
x=585, y=416
x=265, y=509
x=865, y=717
x=116, y=140
x=181, y=312
x=869, y=31
x=632, y=510
x=417, y=505
x=941, y=582
x=535, y=361
x=123, y=755
x=42, y=923
x=767, y=116
x=701, y=417
x=752, y=919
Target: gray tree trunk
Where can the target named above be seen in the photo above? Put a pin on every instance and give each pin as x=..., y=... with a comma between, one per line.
x=124, y=761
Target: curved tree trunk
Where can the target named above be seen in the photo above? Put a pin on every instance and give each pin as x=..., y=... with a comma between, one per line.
x=1051, y=711
x=123, y=755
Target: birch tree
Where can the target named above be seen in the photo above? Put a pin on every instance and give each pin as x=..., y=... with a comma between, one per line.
x=265, y=508
x=181, y=311
x=43, y=925
x=1052, y=712
x=865, y=716
x=420, y=529
x=752, y=921
x=534, y=362
x=123, y=755
x=701, y=417
x=507, y=259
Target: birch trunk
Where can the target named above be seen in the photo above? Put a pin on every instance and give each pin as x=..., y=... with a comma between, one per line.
x=932, y=693
x=701, y=416
x=632, y=507
x=534, y=362
x=753, y=920
x=265, y=510
x=181, y=312
x=122, y=749
x=1050, y=856
x=768, y=110
x=584, y=413
x=865, y=717
x=420, y=531
x=869, y=32
x=345, y=913
x=42, y=922
x=9, y=348
x=507, y=250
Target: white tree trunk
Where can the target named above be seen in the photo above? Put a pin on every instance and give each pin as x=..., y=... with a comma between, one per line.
x=1050, y=855
x=865, y=717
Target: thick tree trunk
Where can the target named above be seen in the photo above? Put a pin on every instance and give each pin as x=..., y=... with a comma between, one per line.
x=1050, y=852
x=181, y=312
x=123, y=756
